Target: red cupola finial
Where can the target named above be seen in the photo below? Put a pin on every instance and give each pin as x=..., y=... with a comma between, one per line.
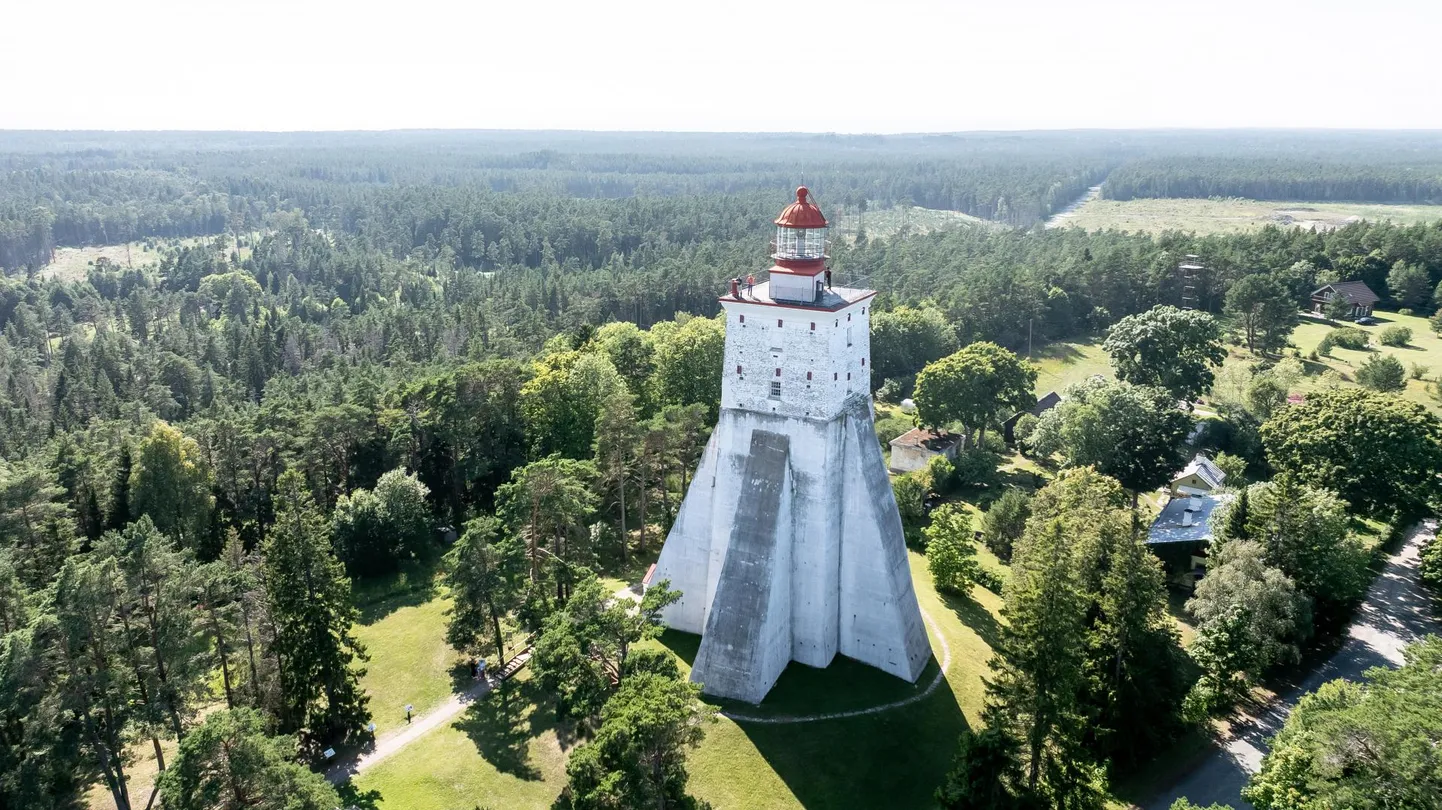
x=802, y=213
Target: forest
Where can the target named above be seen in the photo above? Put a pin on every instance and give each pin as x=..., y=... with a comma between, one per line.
x=336, y=354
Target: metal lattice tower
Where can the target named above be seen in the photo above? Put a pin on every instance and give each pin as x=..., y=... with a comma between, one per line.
x=1190, y=271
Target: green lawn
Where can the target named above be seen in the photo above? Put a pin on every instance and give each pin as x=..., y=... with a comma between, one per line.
x=410, y=662
x=1060, y=364
x=516, y=758
x=1424, y=350
x=1232, y=215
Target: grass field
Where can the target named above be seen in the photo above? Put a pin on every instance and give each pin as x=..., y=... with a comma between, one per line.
x=1425, y=349
x=1233, y=215
x=887, y=222
x=72, y=263
x=1061, y=364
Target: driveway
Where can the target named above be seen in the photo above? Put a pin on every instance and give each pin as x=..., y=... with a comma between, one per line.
x=1395, y=613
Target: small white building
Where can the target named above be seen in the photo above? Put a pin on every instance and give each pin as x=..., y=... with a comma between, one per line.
x=915, y=448
x=1201, y=476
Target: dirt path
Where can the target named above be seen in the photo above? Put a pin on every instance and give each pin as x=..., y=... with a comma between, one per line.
x=1395, y=613
x=418, y=727
x=1060, y=218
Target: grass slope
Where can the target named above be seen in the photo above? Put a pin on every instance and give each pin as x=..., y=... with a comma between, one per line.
x=1425, y=349
x=1232, y=215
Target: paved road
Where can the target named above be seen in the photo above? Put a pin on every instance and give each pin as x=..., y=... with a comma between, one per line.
x=419, y=726
x=1395, y=613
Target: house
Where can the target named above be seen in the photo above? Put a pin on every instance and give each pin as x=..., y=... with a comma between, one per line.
x=915, y=448
x=1050, y=400
x=1359, y=295
x=1181, y=534
x=1201, y=476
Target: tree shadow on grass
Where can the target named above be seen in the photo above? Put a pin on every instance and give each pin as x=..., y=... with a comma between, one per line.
x=895, y=758
x=974, y=616
x=353, y=797
x=379, y=596
x=502, y=725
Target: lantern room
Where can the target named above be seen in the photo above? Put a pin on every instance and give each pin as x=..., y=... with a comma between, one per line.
x=800, y=251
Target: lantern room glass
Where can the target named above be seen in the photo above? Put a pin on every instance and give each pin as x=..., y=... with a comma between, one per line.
x=800, y=243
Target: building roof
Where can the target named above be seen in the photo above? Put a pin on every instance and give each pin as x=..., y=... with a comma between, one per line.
x=802, y=213
x=1205, y=469
x=1186, y=520
x=1048, y=401
x=831, y=299
x=933, y=440
x=1356, y=292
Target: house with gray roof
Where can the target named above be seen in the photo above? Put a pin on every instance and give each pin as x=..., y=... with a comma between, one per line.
x=1181, y=534
x=1356, y=293
x=1201, y=476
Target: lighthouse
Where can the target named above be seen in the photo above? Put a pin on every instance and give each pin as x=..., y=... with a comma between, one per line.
x=788, y=545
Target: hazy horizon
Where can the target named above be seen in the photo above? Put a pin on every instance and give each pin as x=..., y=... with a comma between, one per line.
x=913, y=66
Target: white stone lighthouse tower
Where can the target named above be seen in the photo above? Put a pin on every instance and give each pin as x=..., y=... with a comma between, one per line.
x=788, y=545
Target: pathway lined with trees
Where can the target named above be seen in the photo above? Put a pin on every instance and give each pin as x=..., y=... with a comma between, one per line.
x=1396, y=612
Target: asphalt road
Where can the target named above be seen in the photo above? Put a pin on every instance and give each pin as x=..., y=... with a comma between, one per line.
x=1395, y=613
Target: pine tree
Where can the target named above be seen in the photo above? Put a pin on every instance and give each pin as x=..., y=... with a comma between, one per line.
x=1035, y=693
x=484, y=573
x=617, y=434
x=308, y=597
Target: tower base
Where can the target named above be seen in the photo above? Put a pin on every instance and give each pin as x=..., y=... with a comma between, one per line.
x=788, y=546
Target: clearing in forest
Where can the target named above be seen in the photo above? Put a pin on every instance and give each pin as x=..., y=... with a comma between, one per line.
x=1233, y=215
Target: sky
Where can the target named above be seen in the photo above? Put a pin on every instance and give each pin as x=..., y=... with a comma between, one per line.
x=728, y=65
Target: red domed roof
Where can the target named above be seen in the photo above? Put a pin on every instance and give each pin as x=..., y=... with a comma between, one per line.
x=801, y=214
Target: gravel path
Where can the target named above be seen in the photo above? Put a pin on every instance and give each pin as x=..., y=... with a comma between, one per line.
x=418, y=727
x=1395, y=613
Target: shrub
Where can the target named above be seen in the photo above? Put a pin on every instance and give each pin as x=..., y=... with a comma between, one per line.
x=892, y=390
x=891, y=427
x=1395, y=336
x=1431, y=569
x=974, y=468
x=1406, y=312
x=1418, y=371
x=1436, y=321
x=950, y=554
x=1382, y=372
x=1325, y=347
x=1005, y=521
x=910, y=491
x=942, y=474
x=1025, y=426
x=1348, y=337
x=993, y=442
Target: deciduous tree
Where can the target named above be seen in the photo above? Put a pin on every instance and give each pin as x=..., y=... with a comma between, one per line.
x=1378, y=452
x=950, y=550
x=1167, y=347
x=1128, y=432
x=974, y=386
x=1364, y=746
x=638, y=756
x=1264, y=309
